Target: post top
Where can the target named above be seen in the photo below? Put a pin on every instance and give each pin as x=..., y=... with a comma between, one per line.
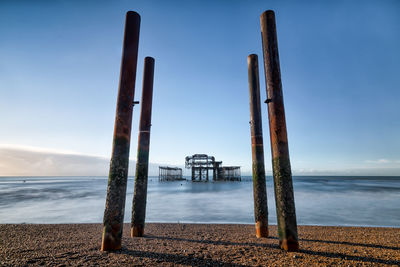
x=252, y=57
x=268, y=13
x=149, y=58
x=131, y=13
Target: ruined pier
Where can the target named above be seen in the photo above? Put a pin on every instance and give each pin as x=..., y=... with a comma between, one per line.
x=202, y=164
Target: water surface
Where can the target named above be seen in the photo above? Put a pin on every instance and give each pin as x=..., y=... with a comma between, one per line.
x=350, y=201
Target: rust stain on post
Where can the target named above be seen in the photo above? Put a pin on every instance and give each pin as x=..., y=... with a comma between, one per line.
x=118, y=175
x=284, y=197
x=257, y=148
x=140, y=195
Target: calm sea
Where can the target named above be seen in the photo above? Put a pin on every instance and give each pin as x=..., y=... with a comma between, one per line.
x=352, y=201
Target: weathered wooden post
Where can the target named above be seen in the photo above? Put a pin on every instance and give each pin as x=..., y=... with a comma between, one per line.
x=118, y=175
x=142, y=164
x=284, y=198
x=257, y=149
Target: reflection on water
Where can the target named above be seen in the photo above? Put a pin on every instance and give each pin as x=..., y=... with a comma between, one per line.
x=321, y=200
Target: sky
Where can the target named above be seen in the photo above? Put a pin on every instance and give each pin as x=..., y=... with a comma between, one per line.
x=60, y=64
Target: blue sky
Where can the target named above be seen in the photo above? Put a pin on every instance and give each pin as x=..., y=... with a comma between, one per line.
x=59, y=71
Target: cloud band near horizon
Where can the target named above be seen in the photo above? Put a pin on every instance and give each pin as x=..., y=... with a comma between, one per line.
x=33, y=161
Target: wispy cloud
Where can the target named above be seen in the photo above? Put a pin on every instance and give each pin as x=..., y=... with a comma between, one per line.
x=383, y=161
x=31, y=161
x=357, y=171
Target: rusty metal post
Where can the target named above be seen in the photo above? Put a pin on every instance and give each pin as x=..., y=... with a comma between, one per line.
x=118, y=175
x=142, y=164
x=257, y=149
x=284, y=197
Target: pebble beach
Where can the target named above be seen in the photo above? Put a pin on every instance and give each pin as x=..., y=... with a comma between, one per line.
x=196, y=245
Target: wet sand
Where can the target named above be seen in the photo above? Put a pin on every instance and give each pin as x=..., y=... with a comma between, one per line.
x=196, y=245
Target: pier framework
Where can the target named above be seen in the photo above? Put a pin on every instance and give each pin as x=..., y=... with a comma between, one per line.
x=169, y=173
x=229, y=173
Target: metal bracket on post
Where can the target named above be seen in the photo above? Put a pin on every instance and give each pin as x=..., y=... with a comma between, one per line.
x=268, y=101
x=135, y=103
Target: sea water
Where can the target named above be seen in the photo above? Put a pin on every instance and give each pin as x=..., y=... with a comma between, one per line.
x=323, y=200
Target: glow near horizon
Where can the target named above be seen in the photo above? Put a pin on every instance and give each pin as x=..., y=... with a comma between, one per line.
x=339, y=62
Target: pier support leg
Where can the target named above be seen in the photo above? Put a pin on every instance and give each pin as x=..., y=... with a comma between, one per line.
x=257, y=148
x=284, y=197
x=118, y=175
x=142, y=164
